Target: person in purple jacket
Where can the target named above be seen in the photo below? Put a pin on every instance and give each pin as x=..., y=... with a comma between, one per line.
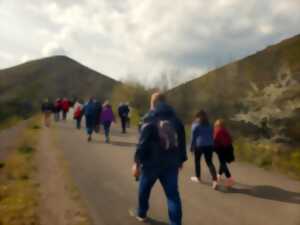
x=107, y=117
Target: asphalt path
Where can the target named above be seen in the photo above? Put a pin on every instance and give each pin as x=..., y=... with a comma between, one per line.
x=102, y=173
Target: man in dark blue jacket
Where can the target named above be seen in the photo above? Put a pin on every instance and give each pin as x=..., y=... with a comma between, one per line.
x=160, y=154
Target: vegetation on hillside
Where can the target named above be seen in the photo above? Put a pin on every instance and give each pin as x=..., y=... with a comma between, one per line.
x=23, y=87
x=259, y=98
x=272, y=107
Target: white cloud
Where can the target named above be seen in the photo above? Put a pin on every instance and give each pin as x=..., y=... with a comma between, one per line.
x=144, y=38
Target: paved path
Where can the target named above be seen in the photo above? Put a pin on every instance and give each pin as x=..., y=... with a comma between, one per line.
x=102, y=173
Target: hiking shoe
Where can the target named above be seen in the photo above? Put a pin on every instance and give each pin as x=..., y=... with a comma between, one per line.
x=195, y=179
x=134, y=214
x=214, y=184
x=229, y=182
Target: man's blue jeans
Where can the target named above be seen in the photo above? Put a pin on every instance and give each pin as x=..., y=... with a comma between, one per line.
x=169, y=181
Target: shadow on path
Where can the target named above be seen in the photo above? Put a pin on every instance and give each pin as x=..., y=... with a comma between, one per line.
x=123, y=144
x=266, y=192
x=151, y=221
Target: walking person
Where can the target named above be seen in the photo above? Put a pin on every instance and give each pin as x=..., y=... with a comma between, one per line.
x=98, y=110
x=224, y=150
x=203, y=144
x=107, y=118
x=90, y=117
x=65, y=104
x=123, y=114
x=129, y=115
x=160, y=154
x=57, y=109
x=47, y=109
x=78, y=113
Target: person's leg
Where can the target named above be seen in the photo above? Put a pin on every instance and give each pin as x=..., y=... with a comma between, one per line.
x=77, y=123
x=223, y=163
x=169, y=181
x=123, y=123
x=220, y=173
x=147, y=180
x=89, y=133
x=208, y=158
x=106, y=131
x=197, y=156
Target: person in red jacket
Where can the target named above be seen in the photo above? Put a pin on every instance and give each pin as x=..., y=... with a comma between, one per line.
x=224, y=149
x=78, y=113
x=65, y=107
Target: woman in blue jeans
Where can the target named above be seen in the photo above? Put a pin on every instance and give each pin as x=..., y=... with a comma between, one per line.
x=203, y=144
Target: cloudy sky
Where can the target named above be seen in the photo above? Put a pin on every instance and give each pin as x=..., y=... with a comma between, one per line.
x=142, y=39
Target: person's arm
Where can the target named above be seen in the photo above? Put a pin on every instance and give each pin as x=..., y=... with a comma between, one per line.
x=218, y=138
x=143, y=144
x=193, y=138
x=182, y=142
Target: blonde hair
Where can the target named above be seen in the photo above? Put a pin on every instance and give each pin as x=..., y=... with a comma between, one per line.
x=219, y=123
x=156, y=98
x=106, y=103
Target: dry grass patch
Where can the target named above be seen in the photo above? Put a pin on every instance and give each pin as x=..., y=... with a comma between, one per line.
x=18, y=190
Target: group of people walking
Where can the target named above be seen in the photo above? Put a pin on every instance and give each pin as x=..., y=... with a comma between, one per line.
x=95, y=113
x=60, y=108
x=161, y=154
x=161, y=150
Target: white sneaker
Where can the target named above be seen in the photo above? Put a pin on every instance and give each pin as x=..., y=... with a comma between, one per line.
x=214, y=185
x=195, y=179
x=134, y=214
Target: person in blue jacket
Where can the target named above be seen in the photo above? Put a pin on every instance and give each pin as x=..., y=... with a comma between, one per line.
x=160, y=154
x=90, y=117
x=203, y=144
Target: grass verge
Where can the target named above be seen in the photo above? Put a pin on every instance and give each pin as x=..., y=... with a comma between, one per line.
x=269, y=156
x=9, y=122
x=18, y=190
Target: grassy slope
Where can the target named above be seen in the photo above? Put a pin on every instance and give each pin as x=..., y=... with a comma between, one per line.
x=52, y=77
x=220, y=91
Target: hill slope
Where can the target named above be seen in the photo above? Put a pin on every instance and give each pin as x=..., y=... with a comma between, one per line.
x=52, y=77
x=226, y=92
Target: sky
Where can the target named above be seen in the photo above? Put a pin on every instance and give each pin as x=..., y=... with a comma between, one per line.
x=144, y=40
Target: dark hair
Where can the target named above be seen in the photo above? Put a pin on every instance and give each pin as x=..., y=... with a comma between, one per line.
x=202, y=116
